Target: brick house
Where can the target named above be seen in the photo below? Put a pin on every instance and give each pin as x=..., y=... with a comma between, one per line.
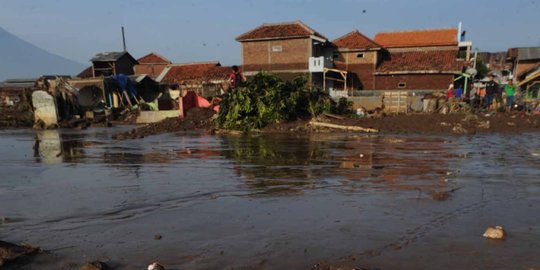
x=359, y=55
x=418, y=60
x=151, y=64
x=205, y=78
x=285, y=49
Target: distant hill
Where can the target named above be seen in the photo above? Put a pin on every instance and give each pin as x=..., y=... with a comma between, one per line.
x=21, y=59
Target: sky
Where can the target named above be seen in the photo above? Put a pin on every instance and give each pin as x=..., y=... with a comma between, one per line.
x=197, y=30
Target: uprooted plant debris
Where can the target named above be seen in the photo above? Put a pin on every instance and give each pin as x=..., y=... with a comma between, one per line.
x=267, y=99
x=10, y=252
x=196, y=118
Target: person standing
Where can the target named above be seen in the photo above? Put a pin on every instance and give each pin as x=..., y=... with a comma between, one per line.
x=492, y=88
x=510, y=91
x=236, y=78
x=450, y=92
x=458, y=93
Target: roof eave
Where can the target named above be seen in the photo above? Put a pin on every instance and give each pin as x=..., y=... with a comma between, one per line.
x=454, y=72
x=273, y=38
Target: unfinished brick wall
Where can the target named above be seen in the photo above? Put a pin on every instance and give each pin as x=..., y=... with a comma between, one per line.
x=414, y=81
x=361, y=69
x=259, y=55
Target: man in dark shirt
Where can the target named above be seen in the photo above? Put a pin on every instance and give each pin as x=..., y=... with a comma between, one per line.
x=492, y=89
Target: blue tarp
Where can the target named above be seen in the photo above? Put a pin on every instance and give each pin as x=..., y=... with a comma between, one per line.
x=125, y=83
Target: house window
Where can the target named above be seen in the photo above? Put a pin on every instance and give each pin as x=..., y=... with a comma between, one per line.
x=402, y=85
x=360, y=55
x=277, y=48
x=336, y=55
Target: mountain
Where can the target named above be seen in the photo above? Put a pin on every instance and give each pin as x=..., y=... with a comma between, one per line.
x=21, y=59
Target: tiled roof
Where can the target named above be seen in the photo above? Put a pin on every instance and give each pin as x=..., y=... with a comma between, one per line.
x=356, y=40
x=153, y=58
x=421, y=61
x=280, y=31
x=86, y=73
x=179, y=73
x=419, y=38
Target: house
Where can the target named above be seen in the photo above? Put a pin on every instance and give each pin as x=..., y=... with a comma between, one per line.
x=418, y=60
x=151, y=64
x=529, y=81
x=205, y=78
x=286, y=49
x=113, y=63
x=359, y=55
x=523, y=59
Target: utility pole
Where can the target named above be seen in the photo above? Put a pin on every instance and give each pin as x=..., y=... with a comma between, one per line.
x=124, y=39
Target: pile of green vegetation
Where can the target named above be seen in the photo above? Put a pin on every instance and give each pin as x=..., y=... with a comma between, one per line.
x=267, y=99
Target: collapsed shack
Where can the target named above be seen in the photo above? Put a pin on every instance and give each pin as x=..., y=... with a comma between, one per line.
x=66, y=102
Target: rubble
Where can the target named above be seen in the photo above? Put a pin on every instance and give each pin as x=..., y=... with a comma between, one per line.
x=95, y=265
x=496, y=233
x=10, y=252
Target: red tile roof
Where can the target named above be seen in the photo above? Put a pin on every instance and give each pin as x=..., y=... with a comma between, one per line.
x=199, y=72
x=153, y=58
x=422, y=62
x=86, y=73
x=419, y=38
x=356, y=40
x=280, y=31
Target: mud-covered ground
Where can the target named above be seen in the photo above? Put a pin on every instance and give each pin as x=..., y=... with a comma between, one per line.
x=270, y=201
x=425, y=124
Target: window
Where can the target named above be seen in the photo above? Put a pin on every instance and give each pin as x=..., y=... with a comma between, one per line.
x=402, y=85
x=336, y=55
x=277, y=48
x=360, y=55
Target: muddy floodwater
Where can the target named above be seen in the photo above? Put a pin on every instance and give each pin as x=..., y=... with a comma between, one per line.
x=271, y=202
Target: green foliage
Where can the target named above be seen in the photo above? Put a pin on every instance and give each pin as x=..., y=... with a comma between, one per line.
x=481, y=68
x=344, y=106
x=267, y=99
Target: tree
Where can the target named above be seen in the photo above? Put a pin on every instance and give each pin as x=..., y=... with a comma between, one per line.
x=481, y=68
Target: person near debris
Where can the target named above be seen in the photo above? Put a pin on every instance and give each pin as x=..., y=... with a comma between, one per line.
x=458, y=92
x=236, y=78
x=492, y=88
x=510, y=91
x=450, y=92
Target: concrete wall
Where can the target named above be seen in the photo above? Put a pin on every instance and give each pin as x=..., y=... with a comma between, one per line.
x=146, y=117
x=258, y=55
x=414, y=81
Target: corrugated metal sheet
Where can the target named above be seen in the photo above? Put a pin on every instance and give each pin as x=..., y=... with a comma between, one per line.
x=531, y=53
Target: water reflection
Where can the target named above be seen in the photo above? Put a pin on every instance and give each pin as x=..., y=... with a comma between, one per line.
x=51, y=147
x=271, y=165
x=284, y=165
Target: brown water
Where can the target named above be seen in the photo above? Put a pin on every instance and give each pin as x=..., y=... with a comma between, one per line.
x=271, y=202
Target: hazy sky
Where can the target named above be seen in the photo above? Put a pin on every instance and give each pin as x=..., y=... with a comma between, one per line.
x=186, y=30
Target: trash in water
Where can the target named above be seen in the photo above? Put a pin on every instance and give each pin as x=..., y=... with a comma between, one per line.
x=496, y=232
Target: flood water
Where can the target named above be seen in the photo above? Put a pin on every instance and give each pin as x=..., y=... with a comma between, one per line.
x=271, y=202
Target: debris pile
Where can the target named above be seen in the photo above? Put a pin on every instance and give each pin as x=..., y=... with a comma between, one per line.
x=10, y=252
x=196, y=118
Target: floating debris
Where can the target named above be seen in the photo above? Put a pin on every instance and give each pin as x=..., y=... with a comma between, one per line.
x=496, y=232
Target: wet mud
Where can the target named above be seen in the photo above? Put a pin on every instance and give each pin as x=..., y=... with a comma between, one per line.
x=270, y=201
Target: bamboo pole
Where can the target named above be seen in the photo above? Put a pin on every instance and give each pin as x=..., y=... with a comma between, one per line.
x=350, y=128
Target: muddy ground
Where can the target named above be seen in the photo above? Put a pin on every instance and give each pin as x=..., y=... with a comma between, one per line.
x=426, y=124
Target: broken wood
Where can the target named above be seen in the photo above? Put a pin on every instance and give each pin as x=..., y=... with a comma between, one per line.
x=350, y=128
x=333, y=116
